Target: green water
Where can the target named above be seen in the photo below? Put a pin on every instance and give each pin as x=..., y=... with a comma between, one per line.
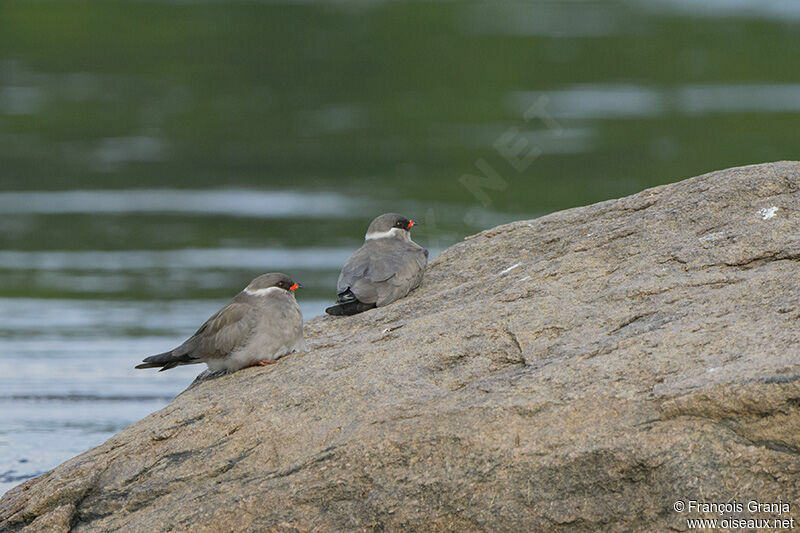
x=388, y=101
x=384, y=99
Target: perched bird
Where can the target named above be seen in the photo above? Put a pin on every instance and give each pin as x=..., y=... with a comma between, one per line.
x=260, y=325
x=386, y=268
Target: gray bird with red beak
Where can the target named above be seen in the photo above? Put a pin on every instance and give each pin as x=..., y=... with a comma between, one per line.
x=260, y=325
x=386, y=268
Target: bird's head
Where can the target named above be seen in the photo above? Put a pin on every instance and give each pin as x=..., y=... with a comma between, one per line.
x=272, y=283
x=390, y=225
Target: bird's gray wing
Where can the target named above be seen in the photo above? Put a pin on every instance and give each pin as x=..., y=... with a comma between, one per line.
x=408, y=267
x=231, y=327
x=382, y=271
x=363, y=263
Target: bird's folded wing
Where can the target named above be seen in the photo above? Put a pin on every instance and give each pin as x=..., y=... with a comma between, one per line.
x=383, y=271
x=392, y=258
x=408, y=271
x=230, y=328
x=407, y=275
x=364, y=265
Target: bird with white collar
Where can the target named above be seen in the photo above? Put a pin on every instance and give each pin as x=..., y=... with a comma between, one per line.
x=259, y=326
x=386, y=268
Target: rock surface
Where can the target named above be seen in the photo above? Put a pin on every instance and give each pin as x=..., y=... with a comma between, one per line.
x=580, y=371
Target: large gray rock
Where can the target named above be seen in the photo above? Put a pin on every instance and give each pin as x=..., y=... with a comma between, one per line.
x=580, y=371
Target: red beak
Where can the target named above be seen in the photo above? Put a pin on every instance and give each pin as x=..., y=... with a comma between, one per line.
x=411, y=224
x=295, y=287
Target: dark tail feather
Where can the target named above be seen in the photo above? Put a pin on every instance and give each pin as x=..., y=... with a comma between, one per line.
x=165, y=361
x=347, y=304
x=349, y=308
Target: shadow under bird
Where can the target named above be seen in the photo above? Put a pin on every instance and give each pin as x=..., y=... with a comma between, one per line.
x=260, y=325
x=386, y=268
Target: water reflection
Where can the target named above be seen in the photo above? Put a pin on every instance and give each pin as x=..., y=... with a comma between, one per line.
x=228, y=202
x=603, y=102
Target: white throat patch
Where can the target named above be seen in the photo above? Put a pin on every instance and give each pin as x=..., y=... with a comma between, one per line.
x=263, y=292
x=394, y=232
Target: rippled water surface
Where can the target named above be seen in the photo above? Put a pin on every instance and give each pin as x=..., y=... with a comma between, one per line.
x=156, y=156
